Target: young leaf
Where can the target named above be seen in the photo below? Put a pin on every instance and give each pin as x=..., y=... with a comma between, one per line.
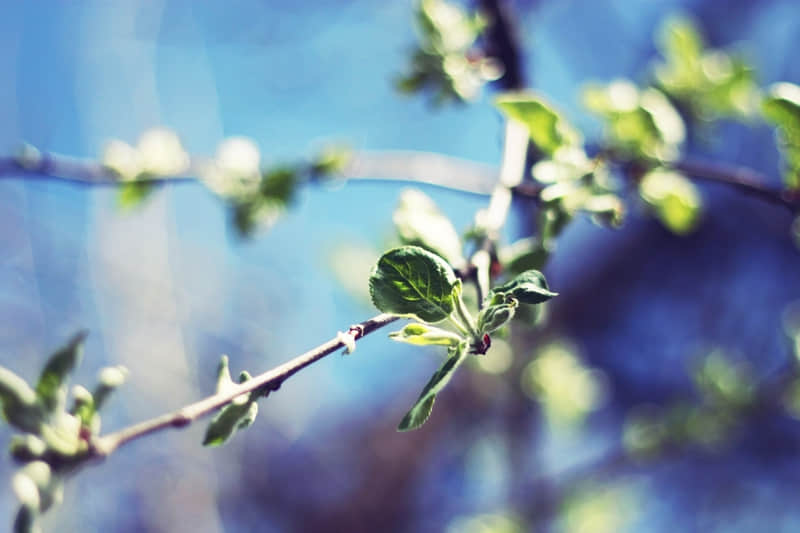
x=52, y=386
x=419, y=222
x=109, y=378
x=424, y=335
x=133, y=193
x=495, y=316
x=781, y=106
x=547, y=128
x=19, y=403
x=421, y=410
x=239, y=414
x=412, y=281
x=674, y=198
x=234, y=416
x=529, y=287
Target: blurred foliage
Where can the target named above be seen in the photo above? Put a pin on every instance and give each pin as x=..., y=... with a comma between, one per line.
x=599, y=509
x=726, y=390
x=639, y=123
x=708, y=84
x=567, y=390
x=55, y=440
x=486, y=523
x=674, y=199
x=781, y=106
x=447, y=63
x=547, y=129
x=419, y=222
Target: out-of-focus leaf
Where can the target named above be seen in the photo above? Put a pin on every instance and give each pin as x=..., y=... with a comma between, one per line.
x=781, y=106
x=710, y=83
x=547, y=128
x=132, y=194
x=421, y=410
x=419, y=222
x=445, y=61
x=20, y=405
x=331, y=160
x=62, y=434
x=412, y=281
x=643, y=124
x=37, y=486
x=675, y=200
x=567, y=389
x=109, y=378
x=52, y=386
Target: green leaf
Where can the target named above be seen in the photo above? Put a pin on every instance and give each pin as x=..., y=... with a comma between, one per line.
x=642, y=123
x=332, y=160
x=132, y=193
x=421, y=410
x=256, y=213
x=493, y=317
x=419, y=222
x=52, y=386
x=239, y=414
x=424, y=335
x=675, y=199
x=709, y=84
x=781, y=106
x=547, y=128
x=20, y=406
x=412, y=281
x=110, y=378
x=530, y=287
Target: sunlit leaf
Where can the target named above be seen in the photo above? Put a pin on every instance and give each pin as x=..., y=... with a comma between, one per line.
x=781, y=106
x=644, y=124
x=425, y=335
x=20, y=405
x=675, y=199
x=412, y=281
x=421, y=410
x=548, y=130
x=709, y=83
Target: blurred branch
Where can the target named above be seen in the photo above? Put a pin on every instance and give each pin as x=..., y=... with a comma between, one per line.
x=743, y=179
x=268, y=381
x=426, y=168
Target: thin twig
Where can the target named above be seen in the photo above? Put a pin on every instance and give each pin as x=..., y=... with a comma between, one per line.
x=266, y=382
x=744, y=179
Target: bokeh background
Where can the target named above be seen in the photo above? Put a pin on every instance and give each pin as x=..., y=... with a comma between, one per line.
x=167, y=288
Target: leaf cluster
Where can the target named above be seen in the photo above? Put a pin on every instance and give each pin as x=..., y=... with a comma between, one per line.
x=55, y=438
x=447, y=62
x=418, y=281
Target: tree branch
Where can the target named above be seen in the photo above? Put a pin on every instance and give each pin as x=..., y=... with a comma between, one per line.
x=268, y=381
x=426, y=168
x=741, y=178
